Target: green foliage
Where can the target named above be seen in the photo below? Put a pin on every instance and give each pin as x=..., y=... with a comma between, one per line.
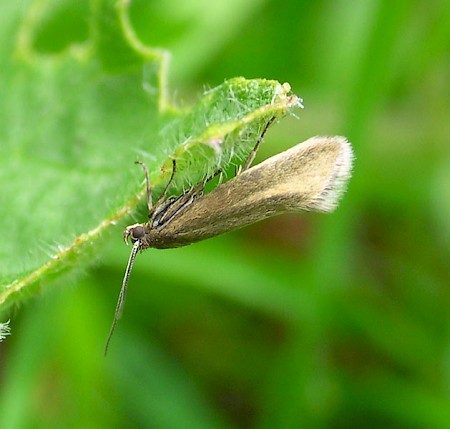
x=307, y=321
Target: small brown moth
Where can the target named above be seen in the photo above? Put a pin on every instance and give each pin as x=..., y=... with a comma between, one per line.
x=311, y=176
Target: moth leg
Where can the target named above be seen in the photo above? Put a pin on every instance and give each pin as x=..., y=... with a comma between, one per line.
x=163, y=196
x=147, y=185
x=197, y=190
x=167, y=210
x=202, y=185
x=252, y=154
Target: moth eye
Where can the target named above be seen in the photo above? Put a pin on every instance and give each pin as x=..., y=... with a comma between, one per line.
x=137, y=233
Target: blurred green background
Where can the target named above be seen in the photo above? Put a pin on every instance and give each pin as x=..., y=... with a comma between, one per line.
x=314, y=321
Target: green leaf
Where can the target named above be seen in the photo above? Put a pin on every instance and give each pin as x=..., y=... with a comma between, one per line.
x=77, y=113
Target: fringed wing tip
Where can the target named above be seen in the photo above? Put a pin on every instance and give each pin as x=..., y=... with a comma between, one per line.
x=331, y=194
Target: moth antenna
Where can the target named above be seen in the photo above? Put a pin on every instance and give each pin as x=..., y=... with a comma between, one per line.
x=163, y=196
x=122, y=294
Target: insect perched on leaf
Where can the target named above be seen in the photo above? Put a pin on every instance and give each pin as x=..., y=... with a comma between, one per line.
x=311, y=176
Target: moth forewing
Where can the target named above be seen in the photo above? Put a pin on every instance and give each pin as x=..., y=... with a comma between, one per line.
x=311, y=176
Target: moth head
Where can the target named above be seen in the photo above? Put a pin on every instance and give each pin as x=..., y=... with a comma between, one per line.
x=134, y=233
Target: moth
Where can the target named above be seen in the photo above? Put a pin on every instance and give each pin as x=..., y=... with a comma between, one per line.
x=311, y=176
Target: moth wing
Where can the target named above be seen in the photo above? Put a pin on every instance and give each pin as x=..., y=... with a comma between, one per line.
x=310, y=176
